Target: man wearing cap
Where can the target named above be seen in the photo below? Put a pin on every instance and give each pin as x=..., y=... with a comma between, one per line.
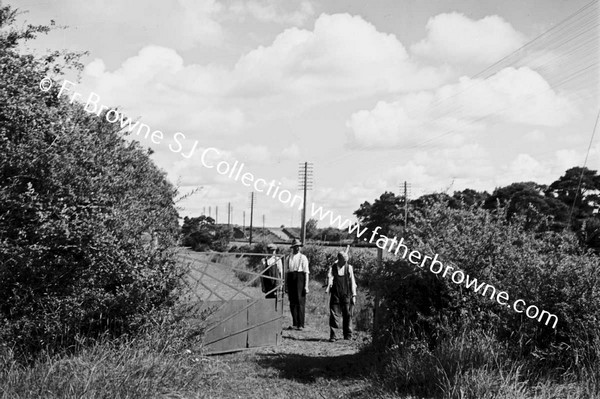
x=341, y=286
x=296, y=266
x=272, y=273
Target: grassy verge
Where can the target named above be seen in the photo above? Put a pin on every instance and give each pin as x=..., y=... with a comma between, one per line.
x=162, y=361
x=473, y=366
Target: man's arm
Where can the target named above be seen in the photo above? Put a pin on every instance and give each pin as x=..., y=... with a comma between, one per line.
x=352, y=283
x=305, y=261
x=352, y=280
x=286, y=265
x=329, y=279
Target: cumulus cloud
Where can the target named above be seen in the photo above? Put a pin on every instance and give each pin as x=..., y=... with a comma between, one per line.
x=252, y=153
x=519, y=96
x=291, y=152
x=455, y=38
x=524, y=166
x=342, y=58
x=468, y=165
x=156, y=85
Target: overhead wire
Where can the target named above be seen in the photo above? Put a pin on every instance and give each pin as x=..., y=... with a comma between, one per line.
x=583, y=167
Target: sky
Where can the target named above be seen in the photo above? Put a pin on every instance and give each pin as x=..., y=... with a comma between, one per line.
x=442, y=94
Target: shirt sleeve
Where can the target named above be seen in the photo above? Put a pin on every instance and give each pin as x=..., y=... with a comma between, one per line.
x=286, y=264
x=329, y=279
x=352, y=281
x=304, y=264
x=280, y=268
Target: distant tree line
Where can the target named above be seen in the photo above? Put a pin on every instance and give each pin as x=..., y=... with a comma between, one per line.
x=564, y=204
x=202, y=234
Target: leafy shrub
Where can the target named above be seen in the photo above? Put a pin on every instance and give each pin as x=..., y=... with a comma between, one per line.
x=78, y=203
x=545, y=269
x=320, y=258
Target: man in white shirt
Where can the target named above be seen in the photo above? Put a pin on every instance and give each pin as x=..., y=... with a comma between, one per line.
x=296, y=267
x=341, y=286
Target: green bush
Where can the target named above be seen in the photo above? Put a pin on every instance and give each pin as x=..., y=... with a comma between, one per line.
x=546, y=269
x=320, y=258
x=78, y=204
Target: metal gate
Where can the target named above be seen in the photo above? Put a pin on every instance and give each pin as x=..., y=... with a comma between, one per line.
x=240, y=316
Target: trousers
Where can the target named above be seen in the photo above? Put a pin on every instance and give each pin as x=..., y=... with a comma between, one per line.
x=295, y=286
x=340, y=307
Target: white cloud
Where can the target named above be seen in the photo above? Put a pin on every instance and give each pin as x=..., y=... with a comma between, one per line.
x=407, y=122
x=455, y=38
x=523, y=168
x=156, y=85
x=291, y=152
x=566, y=159
x=467, y=166
x=252, y=153
x=267, y=11
x=534, y=136
x=519, y=96
x=343, y=57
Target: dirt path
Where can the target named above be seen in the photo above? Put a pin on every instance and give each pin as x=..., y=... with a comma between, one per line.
x=306, y=365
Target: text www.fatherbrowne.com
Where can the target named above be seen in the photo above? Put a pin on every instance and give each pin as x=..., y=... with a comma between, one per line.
x=457, y=276
x=286, y=197
x=435, y=266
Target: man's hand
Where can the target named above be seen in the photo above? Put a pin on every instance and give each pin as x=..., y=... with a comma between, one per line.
x=306, y=290
x=354, y=300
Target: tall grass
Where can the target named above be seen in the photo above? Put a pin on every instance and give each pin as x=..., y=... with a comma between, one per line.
x=163, y=360
x=474, y=366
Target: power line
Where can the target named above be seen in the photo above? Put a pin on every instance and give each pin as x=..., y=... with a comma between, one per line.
x=583, y=168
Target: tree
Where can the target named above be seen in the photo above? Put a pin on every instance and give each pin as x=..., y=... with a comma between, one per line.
x=528, y=199
x=584, y=197
x=427, y=200
x=77, y=203
x=311, y=228
x=386, y=212
x=201, y=233
x=467, y=198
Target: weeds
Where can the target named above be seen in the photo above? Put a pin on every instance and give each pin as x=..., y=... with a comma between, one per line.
x=163, y=360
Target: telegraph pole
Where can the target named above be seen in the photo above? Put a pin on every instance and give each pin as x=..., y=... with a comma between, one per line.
x=305, y=177
x=216, y=214
x=406, y=189
x=228, y=214
x=251, y=215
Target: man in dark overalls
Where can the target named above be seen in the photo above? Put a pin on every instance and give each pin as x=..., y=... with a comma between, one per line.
x=341, y=286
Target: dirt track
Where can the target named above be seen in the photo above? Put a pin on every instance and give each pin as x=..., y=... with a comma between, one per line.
x=306, y=365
